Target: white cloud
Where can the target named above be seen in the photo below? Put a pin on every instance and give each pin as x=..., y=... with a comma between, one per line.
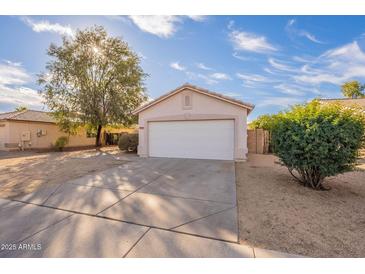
x=254, y=80
x=198, y=18
x=279, y=101
x=301, y=59
x=161, y=25
x=13, y=78
x=220, y=76
x=268, y=70
x=253, y=77
x=177, y=66
x=292, y=30
x=11, y=63
x=335, y=66
x=348, y=52
x=203, y=67
x=233, y=94
x=230, y=25
x=12, y=74
x=290, y=89
x=291, y=22
x=240, y=57
x=20, y=96
x=310, y=37
x=210, y=79
x=279, y=65
x=250, y=42
x=207, y=79
x=46, y=26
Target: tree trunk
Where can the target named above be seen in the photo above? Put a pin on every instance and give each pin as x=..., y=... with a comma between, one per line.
x=98, y=135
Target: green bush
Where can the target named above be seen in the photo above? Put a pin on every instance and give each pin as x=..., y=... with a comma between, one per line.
x=128, y=142
x=317, y=140
x=265, y=122
x=61, y=142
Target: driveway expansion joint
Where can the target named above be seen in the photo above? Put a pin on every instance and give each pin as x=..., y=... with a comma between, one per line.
x=52, y=193
x=128, y=195
x=123, y=221
x=203, y=217
x=39, y=231
x=136, y=190
x=186, y=198
x=139, y=239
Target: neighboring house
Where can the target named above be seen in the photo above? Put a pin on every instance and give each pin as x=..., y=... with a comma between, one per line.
x=346, y=101
x=31, y=129
x=192, y=122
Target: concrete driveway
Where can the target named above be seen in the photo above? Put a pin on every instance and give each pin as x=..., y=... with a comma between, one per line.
x=145, y=208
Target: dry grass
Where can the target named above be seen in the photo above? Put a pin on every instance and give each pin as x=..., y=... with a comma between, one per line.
x=25, y=172
x=276, y=213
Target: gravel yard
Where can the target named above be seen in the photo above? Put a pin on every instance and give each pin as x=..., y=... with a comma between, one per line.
x=276, y=213
x=25, y=172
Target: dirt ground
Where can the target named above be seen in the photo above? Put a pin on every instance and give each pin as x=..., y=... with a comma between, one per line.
x=25, y=172
x=277, y=213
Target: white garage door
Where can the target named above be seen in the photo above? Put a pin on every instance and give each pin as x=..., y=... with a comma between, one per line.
x=209, y=139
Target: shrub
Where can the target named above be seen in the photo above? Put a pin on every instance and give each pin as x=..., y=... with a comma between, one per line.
x=61, y=142
x=317, y=140
x=128, y=142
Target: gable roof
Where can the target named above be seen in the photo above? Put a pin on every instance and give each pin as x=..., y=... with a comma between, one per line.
x=200, y=90
x=28, y=115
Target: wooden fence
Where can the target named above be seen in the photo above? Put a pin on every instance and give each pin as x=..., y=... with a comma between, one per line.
x=258, y=141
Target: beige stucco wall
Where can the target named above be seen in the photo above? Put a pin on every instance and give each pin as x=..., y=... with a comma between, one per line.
x=14, y=129
x=203, y=107
x=4, y=133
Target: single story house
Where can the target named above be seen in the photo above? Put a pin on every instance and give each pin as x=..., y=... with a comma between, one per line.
x=360, y=102
x=192, y=122
x=32, y=129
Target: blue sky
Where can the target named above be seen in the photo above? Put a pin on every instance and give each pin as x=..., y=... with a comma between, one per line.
x=270, y=61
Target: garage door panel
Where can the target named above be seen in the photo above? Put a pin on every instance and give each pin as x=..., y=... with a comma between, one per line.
x=212, y=139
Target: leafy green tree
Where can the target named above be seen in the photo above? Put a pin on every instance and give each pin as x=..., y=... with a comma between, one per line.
x=317, y=140
x=21, y=108
x=264, y=121
x=353, y=89
x=92, y=80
